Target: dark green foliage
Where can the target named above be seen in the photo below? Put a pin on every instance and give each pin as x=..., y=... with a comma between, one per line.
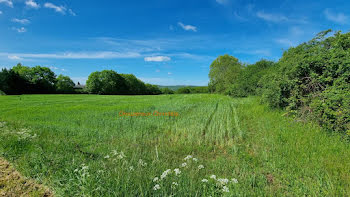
x=249, y=77
x=64, y=84
x=193, y=90
x=152, y=89
x=2, y=93
x=167, y=91
x=107, y=82
x=12, y=83
x=313, y=80
x=40, y=80
x=134, y=85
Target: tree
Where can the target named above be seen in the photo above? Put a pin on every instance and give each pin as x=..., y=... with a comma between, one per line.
x=12, y=83
x=106, y=82
x=64, y=84
x=134, y=85
x=152, y=89
x=167, y=91
x=40, y=79
x=223, y=73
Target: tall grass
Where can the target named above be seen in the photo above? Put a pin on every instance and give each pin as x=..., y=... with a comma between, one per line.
x=79, y=146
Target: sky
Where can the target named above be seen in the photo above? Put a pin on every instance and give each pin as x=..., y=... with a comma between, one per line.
x=163, y=42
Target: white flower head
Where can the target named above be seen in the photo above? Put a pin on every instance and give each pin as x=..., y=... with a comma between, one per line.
x=121, y=155
x=155, y=179
x=177, y=171
x=200, y=167
x=175, y=184
x=204, y=180
x=225, y=189
x=213, y=176
x=114, y=152
x=156, y=187
x=223, y=181
x=142, y=163
x=195, y=159
x=184, y=164
x=107, y=157
x=131, y=168
x=188, y=157
x=234, y=180
x=165, y=173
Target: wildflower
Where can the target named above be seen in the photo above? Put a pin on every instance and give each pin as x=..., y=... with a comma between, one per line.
x=183, y=165
x=131, y=168
x=121, y=155
x=156, y=187
x=188, y=157
x=175, y=184
x=142, y=163
x=155, y=179
x=107, y=157
x=204, y=180
x=200, y=167
x=84, y=167
x=195, y=159
x=165, y=173
x=234, y=180
x=114, y=152
x=177, y=171
x=213, y=176
x=76, y=170
x=225, y=189
x=223, y=181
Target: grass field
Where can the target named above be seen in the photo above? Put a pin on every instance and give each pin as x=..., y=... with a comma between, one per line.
x=78, y=145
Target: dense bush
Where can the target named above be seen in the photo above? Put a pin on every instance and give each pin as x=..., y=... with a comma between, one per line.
x=107, y=82
x=167, y=91
x=64, y=85
x=313, y=81
x=193, y=90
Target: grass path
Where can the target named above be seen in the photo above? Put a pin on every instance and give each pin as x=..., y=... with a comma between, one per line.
x=77, y=145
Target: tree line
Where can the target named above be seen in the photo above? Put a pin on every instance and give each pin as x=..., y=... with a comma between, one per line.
x=42, y=80
x=311, y=81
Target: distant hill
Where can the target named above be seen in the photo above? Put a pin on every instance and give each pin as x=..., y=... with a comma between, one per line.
x=174, y=88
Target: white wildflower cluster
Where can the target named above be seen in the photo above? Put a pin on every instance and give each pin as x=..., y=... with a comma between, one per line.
x=2, y=124
x=165, y=173
x=25, y=133
x=82, y=172
x=221, y=183
x=142, y=163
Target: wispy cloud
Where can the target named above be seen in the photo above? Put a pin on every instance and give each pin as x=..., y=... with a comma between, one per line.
x=7, y=2
x=14, y=57
x=187, y=27
x=157, y=59
x=223, y=2
x=170, y=73
x=74, y=55
x=21, y=21
x=56, y=68
x=59, y=8
x=0, y=12
x=271, y=17
x=336, y=17
x=32, y=4
x=285, y=42
x=20, y=30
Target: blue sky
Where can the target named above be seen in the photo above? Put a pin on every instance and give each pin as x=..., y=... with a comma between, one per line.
x=165, y=42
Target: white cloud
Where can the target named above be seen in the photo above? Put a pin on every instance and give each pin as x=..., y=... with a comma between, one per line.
x=20, y=30
x=22, y=21
x=79, y=55
x=0, y=12
x=271, y=17
x=157, y=59
x=55, y=68
x=32, y=4
x=169, y=73
x=60, y=9
x=7, y=2
x=336, y=17
x=187, y=27
x=14, y=57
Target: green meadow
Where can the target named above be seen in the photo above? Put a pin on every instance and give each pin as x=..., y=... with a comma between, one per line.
x=79, y=145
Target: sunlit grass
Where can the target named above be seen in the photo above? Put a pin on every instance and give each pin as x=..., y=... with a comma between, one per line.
x=79, y=146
